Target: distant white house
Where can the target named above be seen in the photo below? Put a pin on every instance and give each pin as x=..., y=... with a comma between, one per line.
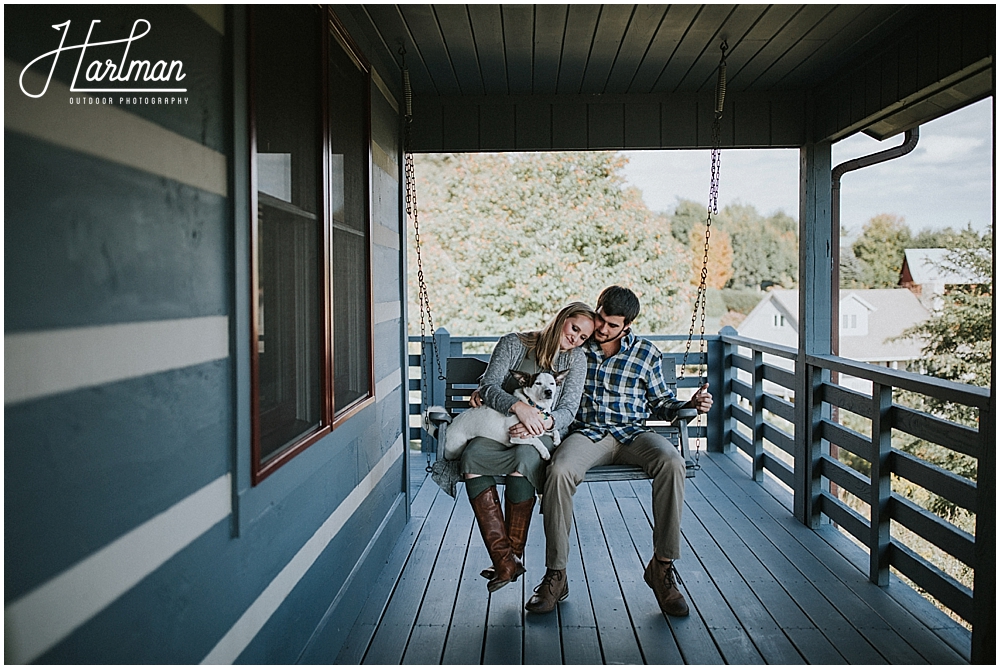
x=869, y=321
x=928, y=275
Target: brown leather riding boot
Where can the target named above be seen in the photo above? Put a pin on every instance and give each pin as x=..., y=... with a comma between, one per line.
x=489, y=517
x=517, y=518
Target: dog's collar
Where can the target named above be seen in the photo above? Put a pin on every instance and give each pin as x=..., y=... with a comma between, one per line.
x=531, y=403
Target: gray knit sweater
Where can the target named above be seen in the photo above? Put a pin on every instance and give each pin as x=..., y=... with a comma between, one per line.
x=508, y=354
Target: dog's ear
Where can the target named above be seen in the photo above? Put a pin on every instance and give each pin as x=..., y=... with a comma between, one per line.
x=524, y=380
x=561, y=376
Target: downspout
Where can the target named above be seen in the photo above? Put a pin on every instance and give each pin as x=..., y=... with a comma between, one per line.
x=909, y=143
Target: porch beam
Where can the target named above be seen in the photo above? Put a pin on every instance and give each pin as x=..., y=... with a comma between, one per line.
x=581, y=122
x=816, y=239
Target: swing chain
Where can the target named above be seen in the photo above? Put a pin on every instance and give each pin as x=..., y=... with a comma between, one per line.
x=411, y=212
x=713, y=210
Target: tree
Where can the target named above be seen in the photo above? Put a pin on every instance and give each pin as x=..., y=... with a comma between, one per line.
x=720, y=256
x=959, y=347
x=765, y=250
x=508, y=239
x=959, y=334
x=880, y=249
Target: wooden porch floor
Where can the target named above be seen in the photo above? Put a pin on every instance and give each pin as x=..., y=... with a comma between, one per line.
x=763, y=589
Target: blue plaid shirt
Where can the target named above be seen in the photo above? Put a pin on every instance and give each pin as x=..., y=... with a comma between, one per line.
x=624, y=390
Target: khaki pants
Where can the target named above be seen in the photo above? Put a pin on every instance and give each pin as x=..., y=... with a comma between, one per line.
x=577, y=453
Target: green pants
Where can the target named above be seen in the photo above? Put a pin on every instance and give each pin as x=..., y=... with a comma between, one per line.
x=577, y=453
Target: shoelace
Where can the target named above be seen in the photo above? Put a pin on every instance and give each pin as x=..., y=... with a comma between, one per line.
x=546, y=581
x=670, y=576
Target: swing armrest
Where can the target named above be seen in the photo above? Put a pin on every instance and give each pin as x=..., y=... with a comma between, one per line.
x=685, y=415
x=680, y=421
x=440, y=420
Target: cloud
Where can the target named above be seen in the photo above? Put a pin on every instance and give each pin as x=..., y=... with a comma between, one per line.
x=946, y=181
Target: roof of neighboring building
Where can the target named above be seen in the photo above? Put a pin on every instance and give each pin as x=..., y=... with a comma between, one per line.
x=892, y=310
x=932, y=266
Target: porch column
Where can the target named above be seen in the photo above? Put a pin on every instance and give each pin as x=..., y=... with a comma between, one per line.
x=816, y=239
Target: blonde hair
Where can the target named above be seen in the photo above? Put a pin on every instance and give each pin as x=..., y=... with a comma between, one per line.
x=545, y=342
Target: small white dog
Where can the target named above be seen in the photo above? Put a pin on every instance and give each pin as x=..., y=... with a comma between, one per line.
x=540, y=390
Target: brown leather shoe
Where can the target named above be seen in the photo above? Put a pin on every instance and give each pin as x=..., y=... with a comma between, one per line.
x=662, y=578
x=553, y=589
x=517, y=518
x=506, y=566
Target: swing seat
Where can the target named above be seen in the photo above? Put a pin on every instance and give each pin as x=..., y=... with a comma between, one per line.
x=462, y=378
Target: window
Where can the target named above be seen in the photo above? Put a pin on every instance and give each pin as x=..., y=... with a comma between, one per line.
x=779, y=321
x=311, y=270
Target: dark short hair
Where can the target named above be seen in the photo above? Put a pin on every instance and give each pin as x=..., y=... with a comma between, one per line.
x=619, y=301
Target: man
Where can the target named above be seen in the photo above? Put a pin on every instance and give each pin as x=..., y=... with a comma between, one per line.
x=624, y=387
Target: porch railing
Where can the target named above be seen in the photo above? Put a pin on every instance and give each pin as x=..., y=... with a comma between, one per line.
x=755, y=385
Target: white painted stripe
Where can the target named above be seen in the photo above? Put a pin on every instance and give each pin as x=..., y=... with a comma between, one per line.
x=109, y=132
x=235, y=641
x=385, y=162
x=48, y=614
x=38, y=364
x=387, y=385
x=381, y=86
x=213, y=15
x=384, y=236
x=386, y=311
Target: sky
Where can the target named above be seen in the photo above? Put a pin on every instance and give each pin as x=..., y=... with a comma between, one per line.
x=946, y=181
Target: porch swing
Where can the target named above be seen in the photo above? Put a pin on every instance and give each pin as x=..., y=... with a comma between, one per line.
x=463, y=373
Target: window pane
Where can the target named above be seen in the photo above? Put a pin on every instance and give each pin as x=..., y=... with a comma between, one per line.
x=349, y=203
x=289, y=237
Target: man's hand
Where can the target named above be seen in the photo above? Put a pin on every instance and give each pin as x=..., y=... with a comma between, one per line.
x=701, y=400
x=475, y=401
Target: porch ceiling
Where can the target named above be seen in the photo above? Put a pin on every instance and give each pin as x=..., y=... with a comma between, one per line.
x=473, y=50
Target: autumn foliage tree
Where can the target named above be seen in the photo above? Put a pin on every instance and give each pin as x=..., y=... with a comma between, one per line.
x=508, y=239
x=720, y=256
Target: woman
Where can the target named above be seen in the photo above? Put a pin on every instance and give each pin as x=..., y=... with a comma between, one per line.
x=554, y=348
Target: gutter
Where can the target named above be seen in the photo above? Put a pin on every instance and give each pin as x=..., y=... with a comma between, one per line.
x=909, y=143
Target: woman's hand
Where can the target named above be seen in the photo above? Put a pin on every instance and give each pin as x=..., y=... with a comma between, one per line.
x=475, y=401
x=531, y=420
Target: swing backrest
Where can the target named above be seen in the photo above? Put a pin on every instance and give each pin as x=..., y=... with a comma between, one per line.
x=462, y=377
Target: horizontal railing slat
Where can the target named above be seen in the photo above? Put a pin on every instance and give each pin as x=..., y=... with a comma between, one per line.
x=741, y=442
x=782, y=377
x=763, y=346
x=779, y=438
x=741, y=362
x=779, y=407
x=846, y=517
x=742, y=415
x=940, y=481
x=742, y=389
x=922, y=425
x=847, y=439
x=846, y=477
x=950, y=391
x=942, y=587
x=939, y=532
x=781, y=471
x=845, y=398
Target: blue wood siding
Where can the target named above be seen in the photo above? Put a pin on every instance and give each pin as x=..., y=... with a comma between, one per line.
x=99, y=242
